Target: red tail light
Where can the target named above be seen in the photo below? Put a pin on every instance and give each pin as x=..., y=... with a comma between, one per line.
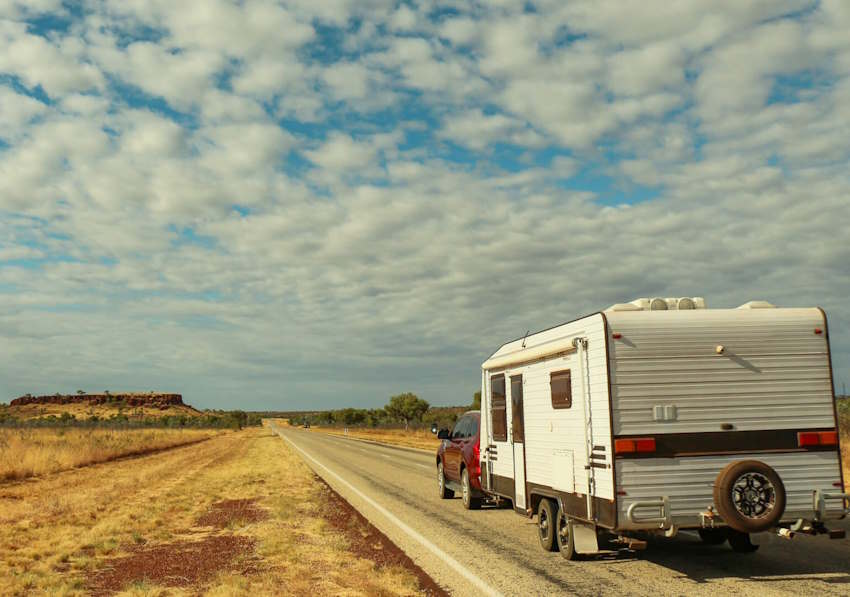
x=817, y=438
x=634, y=445
x=476, y=459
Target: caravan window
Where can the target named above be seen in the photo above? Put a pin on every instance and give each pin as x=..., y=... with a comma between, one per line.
x=562, y=390
x=498, y=414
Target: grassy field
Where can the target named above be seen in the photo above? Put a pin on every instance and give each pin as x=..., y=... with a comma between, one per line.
x=239, y=514
x=422, y=439
x=87, y=410
x=29, y=452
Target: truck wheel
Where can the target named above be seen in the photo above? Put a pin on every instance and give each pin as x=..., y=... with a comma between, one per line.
x=713, y=536
x=547, y=517
x=445, y=492
x=469, y=502
x=564, y=536
x=749, y=496
x=740, y=542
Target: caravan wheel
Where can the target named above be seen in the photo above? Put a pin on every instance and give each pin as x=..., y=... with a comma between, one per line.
x=564, y=536
x=546, y=519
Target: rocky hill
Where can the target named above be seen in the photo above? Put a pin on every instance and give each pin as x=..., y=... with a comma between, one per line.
x=150, y=400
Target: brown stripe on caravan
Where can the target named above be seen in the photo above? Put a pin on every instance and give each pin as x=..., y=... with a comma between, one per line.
x=832, y=391
x=575, y=505
x=714, y=443
x=504, y=486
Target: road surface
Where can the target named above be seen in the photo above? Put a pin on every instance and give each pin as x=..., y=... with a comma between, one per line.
x=496, y=551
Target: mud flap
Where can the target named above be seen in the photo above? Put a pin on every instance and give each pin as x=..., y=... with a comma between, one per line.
x=585, y=538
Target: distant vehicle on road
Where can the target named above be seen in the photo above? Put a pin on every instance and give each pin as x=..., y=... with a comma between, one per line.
x=660, y=415
x=458, y=460
x=306, y=425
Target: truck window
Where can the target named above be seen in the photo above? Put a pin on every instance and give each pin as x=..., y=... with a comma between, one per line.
x=459, y=432
x=498, y=412
x=562, y=390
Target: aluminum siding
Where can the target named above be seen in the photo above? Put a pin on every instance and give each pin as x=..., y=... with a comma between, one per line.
x=774, y=373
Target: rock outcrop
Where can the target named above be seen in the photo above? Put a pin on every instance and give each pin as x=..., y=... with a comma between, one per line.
x=152, y=400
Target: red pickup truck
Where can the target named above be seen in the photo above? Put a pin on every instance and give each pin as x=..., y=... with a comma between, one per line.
x=458, y=467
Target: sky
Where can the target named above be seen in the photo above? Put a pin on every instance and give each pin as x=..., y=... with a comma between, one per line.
x=321, y=204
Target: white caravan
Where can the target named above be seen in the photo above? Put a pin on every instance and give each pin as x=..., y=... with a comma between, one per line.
x=660, y=415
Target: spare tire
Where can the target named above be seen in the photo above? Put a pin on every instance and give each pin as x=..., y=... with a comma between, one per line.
x=749, y=496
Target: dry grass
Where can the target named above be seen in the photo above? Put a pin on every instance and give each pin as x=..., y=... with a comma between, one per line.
x=86, y=410
x=30, y=452
x=422, y=439
x=59, y=534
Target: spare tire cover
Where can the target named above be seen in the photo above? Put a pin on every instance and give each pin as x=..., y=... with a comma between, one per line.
x=749, y=496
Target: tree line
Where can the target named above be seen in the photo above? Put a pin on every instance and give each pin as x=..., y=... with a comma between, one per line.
x=407, y=410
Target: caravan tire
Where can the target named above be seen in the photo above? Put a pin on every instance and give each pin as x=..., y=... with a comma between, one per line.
x=564, y=536
x=445, y=492
x=547, y=517
x=749, y=496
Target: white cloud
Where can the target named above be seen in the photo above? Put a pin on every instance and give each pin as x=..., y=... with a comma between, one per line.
x=218, y=253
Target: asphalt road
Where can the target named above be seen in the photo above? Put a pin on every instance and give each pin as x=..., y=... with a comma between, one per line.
x=496, y=551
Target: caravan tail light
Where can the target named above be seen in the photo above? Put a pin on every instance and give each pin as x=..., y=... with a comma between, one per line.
x=634, y=445
x=817, y=438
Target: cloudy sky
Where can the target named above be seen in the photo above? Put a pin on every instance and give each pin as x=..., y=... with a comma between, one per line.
x=324, y=203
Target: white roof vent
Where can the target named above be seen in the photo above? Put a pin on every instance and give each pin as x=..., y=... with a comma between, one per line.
x=685, y=303
x=757, y=305
x=658, y=304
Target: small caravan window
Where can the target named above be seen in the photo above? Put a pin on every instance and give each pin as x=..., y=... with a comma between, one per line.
x=498, y=414
x=562, y=391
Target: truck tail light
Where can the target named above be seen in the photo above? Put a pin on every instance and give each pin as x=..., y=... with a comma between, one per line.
x=806, y=439
x=476, y=452
x=638, y=445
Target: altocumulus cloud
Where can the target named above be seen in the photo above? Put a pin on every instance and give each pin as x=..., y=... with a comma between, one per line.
x=318, y=204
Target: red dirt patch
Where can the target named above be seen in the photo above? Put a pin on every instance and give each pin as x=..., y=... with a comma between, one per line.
x=231, y=512
x=179, y=564
x=368, y=542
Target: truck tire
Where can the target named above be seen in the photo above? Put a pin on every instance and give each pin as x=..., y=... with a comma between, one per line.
x=749, y=496
x=547, y=517
x=564, y=536
x=469, y=502
x=445, y=492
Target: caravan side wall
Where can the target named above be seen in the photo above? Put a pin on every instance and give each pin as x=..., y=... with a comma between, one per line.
x=555, y=446
x=706, y=409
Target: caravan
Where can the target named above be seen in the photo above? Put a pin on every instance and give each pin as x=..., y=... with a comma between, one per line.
x=660, y=415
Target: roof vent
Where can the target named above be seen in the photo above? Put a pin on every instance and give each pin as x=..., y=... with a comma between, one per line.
x=685, y=304
x=757, y=305
x=658, y=304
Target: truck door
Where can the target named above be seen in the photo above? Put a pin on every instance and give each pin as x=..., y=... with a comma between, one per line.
x=518, y=441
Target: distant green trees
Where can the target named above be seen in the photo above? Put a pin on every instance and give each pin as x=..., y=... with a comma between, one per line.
x=235, y=419
x=406, y=407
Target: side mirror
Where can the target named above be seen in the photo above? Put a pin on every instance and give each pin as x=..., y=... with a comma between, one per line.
x=443, y=434
x=434, y=428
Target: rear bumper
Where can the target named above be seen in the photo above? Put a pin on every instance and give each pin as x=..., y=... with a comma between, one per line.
x=657, y=514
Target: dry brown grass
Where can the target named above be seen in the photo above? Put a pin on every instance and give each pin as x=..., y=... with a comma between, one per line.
x=418, y=438
x=61, y=533
x=85, y=410
x=30, y=452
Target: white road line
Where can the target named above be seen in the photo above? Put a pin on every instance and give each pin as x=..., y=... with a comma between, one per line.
x=454, y=564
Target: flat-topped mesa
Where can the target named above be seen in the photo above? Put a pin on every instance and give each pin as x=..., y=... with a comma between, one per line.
x=130, y=399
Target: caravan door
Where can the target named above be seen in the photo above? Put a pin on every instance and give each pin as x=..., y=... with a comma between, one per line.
x=518, y=441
